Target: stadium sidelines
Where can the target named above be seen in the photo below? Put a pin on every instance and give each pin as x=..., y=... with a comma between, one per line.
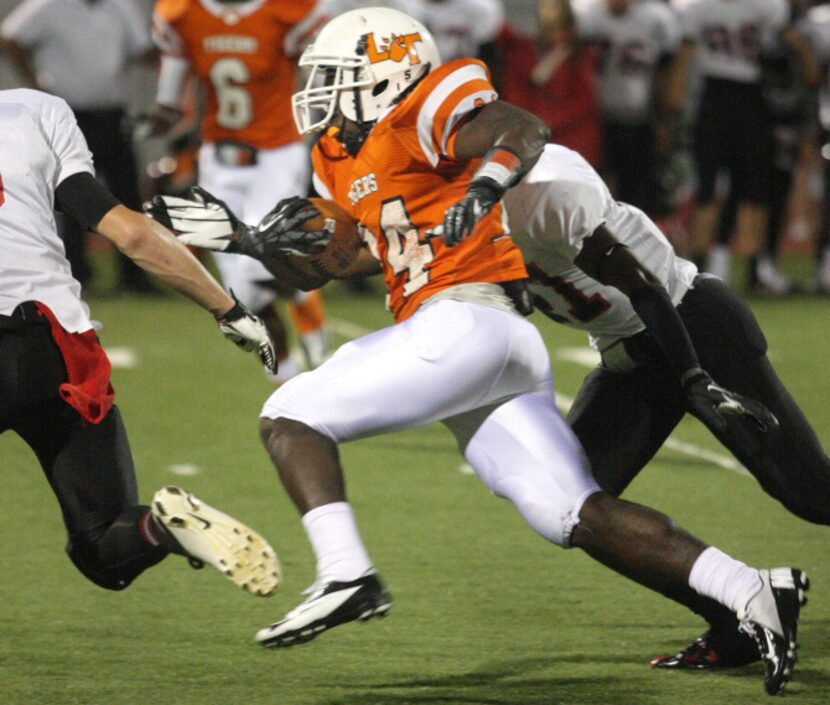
x=586, y=357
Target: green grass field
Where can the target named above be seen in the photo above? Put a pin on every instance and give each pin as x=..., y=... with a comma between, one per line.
x=485, y=611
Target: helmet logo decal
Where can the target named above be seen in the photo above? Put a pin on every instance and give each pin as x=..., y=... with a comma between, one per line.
x=394, y=49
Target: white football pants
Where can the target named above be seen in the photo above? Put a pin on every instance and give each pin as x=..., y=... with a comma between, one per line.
x=250, y=192
x=482, y=371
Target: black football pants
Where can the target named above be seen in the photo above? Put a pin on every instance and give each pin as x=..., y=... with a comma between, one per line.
x=89, y=466
x=622, y=419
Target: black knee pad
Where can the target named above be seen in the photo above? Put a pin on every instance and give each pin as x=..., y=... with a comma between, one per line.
x=116, y=556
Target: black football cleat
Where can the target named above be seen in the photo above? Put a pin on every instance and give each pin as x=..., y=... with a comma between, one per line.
x=771, y=618
x=717, y=648
x=327, y=606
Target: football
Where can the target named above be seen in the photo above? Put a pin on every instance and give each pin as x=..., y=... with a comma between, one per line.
x=345, y=242
x=312, y=271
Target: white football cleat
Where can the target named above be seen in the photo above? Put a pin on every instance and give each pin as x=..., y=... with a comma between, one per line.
x=328, y=605
x=771, y=618
x=209, y=536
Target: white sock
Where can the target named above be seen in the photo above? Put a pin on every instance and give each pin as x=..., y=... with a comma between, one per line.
x=724, y=579
x=719, y=262
x=333, y=533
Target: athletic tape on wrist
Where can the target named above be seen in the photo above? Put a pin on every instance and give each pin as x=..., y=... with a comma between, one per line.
x=502, y=165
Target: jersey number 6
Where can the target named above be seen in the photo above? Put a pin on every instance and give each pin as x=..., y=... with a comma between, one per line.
x=235, y=103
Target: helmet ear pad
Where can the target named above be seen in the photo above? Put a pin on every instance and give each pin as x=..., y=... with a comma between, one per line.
x=367, y=104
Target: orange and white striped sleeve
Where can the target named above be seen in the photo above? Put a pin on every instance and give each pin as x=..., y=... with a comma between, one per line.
x=451, y=93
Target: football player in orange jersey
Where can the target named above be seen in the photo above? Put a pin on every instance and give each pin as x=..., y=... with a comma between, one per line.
x=411, y=145
x=251, y=155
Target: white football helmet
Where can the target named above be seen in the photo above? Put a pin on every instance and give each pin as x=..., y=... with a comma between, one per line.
x=360, y=62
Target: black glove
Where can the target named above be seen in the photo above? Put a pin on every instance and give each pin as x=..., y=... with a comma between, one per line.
x=461, y=218
x=711, y=403
x=281, y=231
x=500, y=169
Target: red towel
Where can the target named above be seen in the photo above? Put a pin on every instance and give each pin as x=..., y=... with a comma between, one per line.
x=87, y=389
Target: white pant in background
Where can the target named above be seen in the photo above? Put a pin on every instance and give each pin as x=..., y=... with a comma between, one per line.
x=250, y=192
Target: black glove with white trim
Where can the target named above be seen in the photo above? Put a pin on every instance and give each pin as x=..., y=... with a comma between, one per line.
x=461, y=218
x=711, y=403
x=281, y=231
x=204, y=221
x=248, y=332
x=500, y=169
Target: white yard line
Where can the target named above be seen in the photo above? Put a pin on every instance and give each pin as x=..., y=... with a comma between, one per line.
x=185, y=469
x=122, y=358
x=585, y=357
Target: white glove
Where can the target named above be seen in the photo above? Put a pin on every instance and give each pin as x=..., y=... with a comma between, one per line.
x=202, y=220
x=249, y=332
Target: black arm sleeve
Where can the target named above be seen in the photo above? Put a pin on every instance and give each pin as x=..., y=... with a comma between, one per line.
x=84, y=198
x=655, y=308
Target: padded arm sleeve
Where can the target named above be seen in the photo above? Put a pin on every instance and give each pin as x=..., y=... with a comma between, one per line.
x=655, y=308
x=82, y=197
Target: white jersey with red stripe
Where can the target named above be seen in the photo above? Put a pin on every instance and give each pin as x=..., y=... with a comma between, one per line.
x=815, y=25
x=40, y=146
x=551, y=212
x=326, y=10
x=731, y=34
x=631, y=45
x=460, y=27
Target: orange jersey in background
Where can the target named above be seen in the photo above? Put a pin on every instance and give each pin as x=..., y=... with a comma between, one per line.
x=403, y=179
x=238, y=52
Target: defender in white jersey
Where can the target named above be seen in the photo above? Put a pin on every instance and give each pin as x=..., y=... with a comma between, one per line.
x=55, y=390
x=732, y=131
x=636, y=42
x=463, y=28
x=566, y=223
x=459, y=352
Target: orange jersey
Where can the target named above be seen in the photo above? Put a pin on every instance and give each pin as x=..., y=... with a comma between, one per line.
x=403, y=179
x=238, y=52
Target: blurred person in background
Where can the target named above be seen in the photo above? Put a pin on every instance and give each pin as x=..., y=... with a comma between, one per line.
x=326, y=9
x=243, y=54
x=464, y=29
x=732, y=133
x=815, y=25
x=552, y=76
x=636, y=42
x=792, y=113
x=82, y=50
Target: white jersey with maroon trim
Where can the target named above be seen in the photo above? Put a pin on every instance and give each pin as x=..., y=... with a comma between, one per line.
x=559, y=204
x=815, y=25
x=325, y=10
x=731, y=34
x=631, y=46
x=460, y=27
x=40, y=146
